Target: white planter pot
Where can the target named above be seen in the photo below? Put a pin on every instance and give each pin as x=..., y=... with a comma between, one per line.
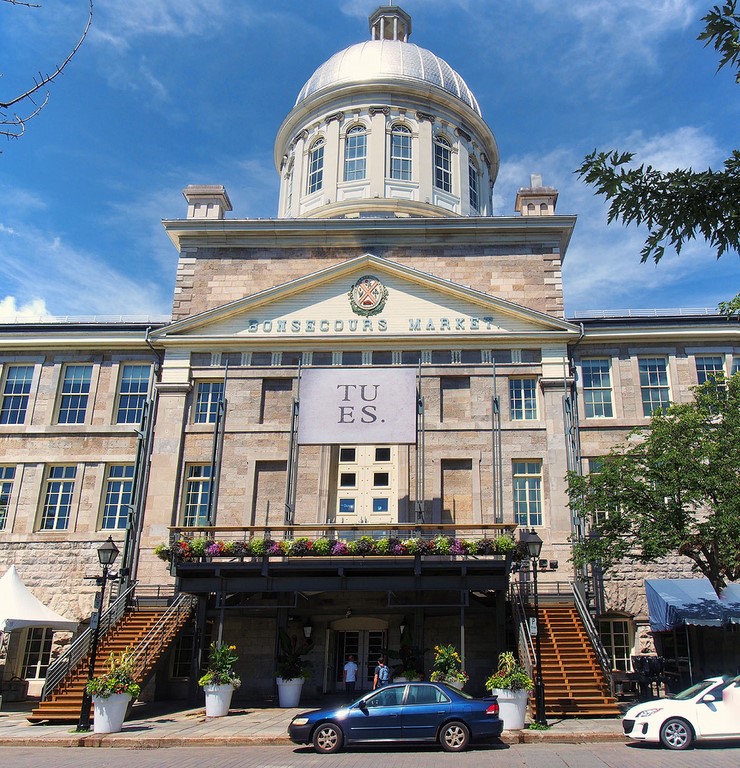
x=110, y=712
x=456, y=684
x=512, y=707
x=289, y=691
x=218, y=699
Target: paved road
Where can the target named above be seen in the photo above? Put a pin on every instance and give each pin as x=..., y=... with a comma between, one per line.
x=503, y=756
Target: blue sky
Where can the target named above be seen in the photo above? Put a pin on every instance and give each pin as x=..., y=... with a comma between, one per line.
x=175, y=92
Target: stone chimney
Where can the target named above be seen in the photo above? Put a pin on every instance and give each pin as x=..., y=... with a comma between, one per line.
x=536, y=200
x=206, y=201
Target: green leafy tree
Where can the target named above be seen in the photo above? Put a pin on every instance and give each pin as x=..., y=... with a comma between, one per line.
x=677, y=206
x=672, y=488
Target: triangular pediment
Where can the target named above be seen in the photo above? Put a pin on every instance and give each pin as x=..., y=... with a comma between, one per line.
x=395, y=301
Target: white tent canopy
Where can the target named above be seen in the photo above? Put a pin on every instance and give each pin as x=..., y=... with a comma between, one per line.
x=19, y=608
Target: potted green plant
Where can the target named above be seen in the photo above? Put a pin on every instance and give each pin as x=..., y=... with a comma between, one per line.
x=292, y=669
x=411, y=662
x=448, y=667
x=220, y=680
x=511, y=683
x=113, y=692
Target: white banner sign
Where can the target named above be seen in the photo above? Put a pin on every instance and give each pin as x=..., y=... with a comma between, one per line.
x=357, y=406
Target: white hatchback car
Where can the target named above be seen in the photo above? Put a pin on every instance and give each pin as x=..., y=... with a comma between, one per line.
x=708, y=710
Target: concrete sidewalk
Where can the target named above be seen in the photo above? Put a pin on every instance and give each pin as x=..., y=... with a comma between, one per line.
x=168, y=725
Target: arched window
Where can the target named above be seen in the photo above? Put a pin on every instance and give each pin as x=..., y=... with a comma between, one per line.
x=355, y=153
x=401, y=153
x=316, y=166
x=473, y=186
x=442, y=164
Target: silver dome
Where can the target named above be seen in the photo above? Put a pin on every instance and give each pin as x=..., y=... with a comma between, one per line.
x=382, y=59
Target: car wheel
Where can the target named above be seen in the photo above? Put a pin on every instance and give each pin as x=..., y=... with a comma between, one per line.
x=327, y=738
x=454, y=737
x=676, y=734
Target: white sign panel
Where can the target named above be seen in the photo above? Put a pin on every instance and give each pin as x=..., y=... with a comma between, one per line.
x=357, y=406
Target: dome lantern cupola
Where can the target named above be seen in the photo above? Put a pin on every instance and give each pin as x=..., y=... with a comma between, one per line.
x=385, y=128
x=390, y=23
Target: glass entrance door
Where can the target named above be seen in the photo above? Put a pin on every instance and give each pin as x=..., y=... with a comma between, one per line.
x=366, y=646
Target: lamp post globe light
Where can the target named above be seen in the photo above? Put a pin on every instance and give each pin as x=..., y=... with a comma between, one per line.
x=107, y=554
x=533, y=544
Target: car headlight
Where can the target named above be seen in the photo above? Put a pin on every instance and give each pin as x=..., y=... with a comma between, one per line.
x=648, y=712
x=300, y=721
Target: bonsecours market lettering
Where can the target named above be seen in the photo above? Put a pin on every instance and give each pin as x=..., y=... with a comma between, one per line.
x=371, y=325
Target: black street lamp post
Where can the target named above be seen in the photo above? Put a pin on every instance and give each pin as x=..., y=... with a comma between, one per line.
x=107, y=554
x=533, y=543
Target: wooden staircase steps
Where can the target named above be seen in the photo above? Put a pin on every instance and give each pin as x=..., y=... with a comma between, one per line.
x=64, y=705
x=575, y=685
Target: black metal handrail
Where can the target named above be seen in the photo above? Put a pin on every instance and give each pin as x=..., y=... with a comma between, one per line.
x=524, y=636
x=80, y=648
x=588, y=622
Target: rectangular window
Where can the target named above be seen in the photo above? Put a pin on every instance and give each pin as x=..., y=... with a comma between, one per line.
x=182, y=657
x=709, y=367
x=75, y=393
x=197, y=491
x=16, y=389
x=523, y=398
x=355, y=152
x=37, y=654
x=735, y=366
x=119, y=488
x=60, y=485
x=442, y=165
x=381, y=479
x=347, y=506
x=348, y=480
x=208, y=397
x=380, y=505
x=654, y=384
x=597, y=388
x=473, y=187
x=7, y=475
x=616, y=635
x=401, y=153
x=132, y=393
x=528, y=493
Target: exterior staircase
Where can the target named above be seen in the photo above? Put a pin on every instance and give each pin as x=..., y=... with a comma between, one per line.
x=148, y=631
x=575, y=684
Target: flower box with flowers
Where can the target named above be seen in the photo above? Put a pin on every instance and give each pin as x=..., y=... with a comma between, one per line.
x=447, y=547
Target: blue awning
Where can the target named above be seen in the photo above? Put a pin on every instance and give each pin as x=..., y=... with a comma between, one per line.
x=674, y=603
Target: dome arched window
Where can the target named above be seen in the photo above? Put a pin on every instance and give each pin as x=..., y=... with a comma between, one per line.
x=316, y=166
x=442, y=164
x=355, y=153
x=400, y=154
x=473, y=187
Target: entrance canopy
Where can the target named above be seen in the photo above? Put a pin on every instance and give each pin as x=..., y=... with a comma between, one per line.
x=674, y=603
x=19, y=608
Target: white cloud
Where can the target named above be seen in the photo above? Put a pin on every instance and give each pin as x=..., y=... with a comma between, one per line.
x=11, y=312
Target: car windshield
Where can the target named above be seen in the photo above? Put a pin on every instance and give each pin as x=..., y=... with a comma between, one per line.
x=695, y=689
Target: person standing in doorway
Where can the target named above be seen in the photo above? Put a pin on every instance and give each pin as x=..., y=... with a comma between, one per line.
x=350, y=674
x=382, y=674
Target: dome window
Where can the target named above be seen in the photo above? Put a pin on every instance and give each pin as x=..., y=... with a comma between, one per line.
x=442, y=164
x=355, y=153
x=316, y=166
x=473, y=187
x=401, y=153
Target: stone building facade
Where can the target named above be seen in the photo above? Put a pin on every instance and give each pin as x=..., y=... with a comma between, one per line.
x=146, y=432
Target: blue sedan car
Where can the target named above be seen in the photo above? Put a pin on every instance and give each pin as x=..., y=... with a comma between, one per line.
x=404, y=712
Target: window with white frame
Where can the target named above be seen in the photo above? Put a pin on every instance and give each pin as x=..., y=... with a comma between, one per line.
x=400, y=153
x=709, y=367
x=597, y=388
x=595, y=465
x=735, y=366
x=75, y=393
x=654, y=384
x=208, y=396
x=132, y=393
x=355, y=153
x=197, y=491
x=16, y=389
x=523, y=398
x=442, y=164
x=37, y=653
x=527, y=493
x=618, y=637
x=58, y=491
x=7, y=476
x=316, y=166
x=473, y=186
x=119, y=489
